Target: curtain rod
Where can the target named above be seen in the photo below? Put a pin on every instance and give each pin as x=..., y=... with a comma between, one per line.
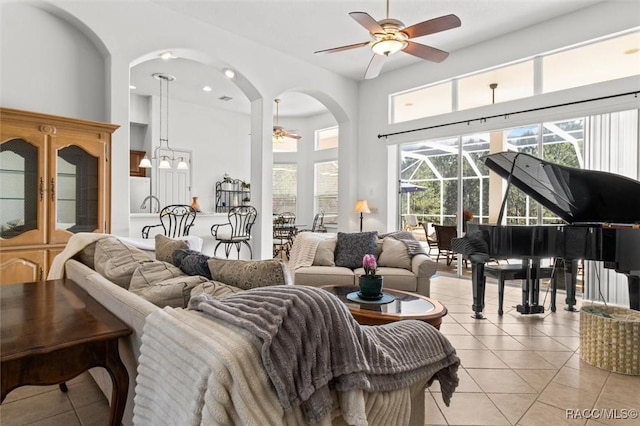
x=506, y=115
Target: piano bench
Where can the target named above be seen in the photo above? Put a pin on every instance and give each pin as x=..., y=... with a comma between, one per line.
x=518, y=272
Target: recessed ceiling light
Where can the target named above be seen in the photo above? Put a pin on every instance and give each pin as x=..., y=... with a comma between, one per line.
x=631, y=51
x=409, y=104
x=166, y=55
x=132, y=87
x=229, y=73
x=207, y=88
x=225, y=98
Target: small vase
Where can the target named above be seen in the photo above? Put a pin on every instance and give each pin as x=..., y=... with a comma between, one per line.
x=195, y=204
x=370, y=287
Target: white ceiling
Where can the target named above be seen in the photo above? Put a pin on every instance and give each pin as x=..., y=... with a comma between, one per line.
x=300, y=27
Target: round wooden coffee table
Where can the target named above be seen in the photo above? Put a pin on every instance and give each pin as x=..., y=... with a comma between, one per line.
x=405, y=305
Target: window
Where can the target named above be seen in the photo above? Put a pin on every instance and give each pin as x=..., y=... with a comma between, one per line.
x=603, y=60
x=327, y=138
x=422, y=102
x=607, y=60
x=285, y=188
x=513, y=82
x=326, y=192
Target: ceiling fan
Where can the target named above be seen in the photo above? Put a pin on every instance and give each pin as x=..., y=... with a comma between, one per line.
x=279, y=132
x=390, y=36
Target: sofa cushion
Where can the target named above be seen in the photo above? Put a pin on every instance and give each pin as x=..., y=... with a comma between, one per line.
x=166, y=246
x=325, y=253
x=394, y=254
x=192, y=262
x=246, y=274
x=324, y=275
x=215, y=289
x=163, y=284
x=351, y=248
x=117, y=261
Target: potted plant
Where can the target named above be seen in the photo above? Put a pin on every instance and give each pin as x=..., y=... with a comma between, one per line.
x=370, y=283
x=245, y=186
x=227, y=183
x=246, y=200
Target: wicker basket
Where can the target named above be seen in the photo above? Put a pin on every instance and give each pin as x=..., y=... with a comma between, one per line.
x=610, y=338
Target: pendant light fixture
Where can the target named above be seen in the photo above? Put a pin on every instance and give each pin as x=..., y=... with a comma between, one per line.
x=166, y=161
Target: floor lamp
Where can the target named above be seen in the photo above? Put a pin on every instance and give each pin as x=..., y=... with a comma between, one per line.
x=362, y=207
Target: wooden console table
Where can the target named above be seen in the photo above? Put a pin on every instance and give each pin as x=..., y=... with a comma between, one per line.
x=52, y=331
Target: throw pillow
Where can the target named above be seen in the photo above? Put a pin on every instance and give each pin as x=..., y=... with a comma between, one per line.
x=394, y=254
x=192, y=262
x=117, y=261
x=246, y=274
x=351, y=248
x=166, y=246
x=87, y=255
x=325, y=253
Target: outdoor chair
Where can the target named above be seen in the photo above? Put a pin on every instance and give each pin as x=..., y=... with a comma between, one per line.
x=175, y=220
x=444, y=235
x=237, y=231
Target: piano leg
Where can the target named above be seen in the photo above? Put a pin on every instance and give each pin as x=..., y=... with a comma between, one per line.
x=570, y=272
x=478, y=282
x=634, y=291
x=531, y=290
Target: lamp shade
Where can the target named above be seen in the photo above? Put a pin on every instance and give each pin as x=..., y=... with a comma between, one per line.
x=362, y=207
x=182, y=165
x=164, y=163
x=145, y=163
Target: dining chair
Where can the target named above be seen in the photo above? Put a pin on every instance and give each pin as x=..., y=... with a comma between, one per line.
x=176, y=220
x=411, y=222
x=432, y=239
x=284, y=231
x=237, y=231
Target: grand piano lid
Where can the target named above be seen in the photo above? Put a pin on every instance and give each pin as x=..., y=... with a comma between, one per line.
x=575, y=195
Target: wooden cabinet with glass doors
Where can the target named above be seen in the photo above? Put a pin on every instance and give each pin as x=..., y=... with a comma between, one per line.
x=55, y=180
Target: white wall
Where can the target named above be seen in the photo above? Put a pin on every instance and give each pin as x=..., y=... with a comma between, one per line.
x=49, y=66
x=586, y=24
x=126, y=32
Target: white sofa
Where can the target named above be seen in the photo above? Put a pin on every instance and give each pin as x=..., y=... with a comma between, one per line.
x=238, y=379
x=313, y=262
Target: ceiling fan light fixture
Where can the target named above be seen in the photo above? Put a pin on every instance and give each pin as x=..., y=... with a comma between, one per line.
x=388, y=47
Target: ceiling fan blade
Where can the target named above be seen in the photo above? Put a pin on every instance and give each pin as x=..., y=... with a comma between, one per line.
x=374, y=67
x=432, y=26
x=426, y=52
x=364, y=19
x=341, y=48
x=292, y=135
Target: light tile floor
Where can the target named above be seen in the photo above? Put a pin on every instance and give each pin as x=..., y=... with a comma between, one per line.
x=516, y=370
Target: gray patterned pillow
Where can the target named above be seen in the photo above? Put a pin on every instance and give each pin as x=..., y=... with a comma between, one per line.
x=166, y=246
x=351, y=248
x=246, y=274
x=192, y=262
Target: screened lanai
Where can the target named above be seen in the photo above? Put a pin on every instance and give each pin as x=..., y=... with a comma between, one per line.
x=434, y=166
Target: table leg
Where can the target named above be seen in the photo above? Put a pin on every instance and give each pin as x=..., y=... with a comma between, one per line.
x=120, y=379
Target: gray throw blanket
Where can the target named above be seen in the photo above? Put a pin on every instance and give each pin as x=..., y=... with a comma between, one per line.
x=311, y=344
x=413, y=246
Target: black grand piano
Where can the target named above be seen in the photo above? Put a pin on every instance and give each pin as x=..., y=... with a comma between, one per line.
x=602, y=215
